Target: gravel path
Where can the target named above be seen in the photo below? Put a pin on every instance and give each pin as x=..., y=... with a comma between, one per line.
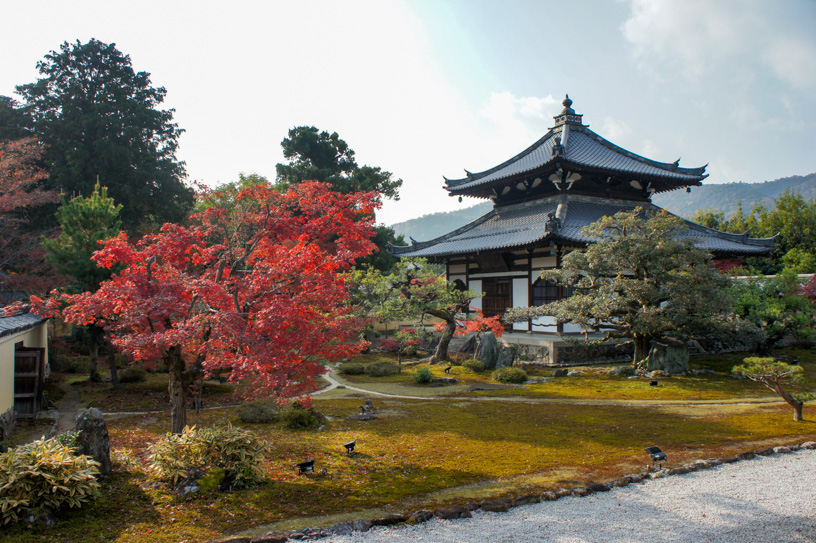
x=766, y=499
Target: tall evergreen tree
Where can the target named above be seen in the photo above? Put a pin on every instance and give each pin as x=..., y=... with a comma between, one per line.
x=98, y=118
x=319, y=156
x=85, y=224
x=13, y=120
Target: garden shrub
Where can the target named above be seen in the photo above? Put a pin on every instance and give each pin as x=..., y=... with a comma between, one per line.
x=132, y=374
x=352, y=368
x=422, y=376
x=297, y=417
x=388, y=345
x=47, y=474
x=259, y=412
x=382, y=368
x=68, y=439
x=510, y=375
x=234, y=450
x=475, y=365
x=75, y=364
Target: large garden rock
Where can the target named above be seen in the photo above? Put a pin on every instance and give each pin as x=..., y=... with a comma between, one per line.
x=488, y=351
x=669, y=355
x=93, y=438
x=505, y=357
x=467, y=346
x=452, y=512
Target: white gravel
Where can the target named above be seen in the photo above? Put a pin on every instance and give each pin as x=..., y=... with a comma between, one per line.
x=766, y=499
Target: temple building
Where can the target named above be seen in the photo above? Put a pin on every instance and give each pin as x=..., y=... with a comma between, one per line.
x=542, y=198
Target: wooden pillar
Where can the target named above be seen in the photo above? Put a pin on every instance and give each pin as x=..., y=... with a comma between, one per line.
x=529, y=286
x=560, y=326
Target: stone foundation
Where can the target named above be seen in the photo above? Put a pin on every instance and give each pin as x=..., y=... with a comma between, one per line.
x=8, y=421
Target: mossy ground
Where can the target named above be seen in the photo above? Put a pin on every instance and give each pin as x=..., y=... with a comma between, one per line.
x=423, y=452
x=595, y=384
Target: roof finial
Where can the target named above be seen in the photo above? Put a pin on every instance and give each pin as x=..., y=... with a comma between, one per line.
x=567, y=102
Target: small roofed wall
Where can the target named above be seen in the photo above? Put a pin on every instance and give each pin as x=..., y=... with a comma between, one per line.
x=33, y=337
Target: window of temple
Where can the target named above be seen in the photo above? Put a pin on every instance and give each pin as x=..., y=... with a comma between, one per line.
x=544, y=292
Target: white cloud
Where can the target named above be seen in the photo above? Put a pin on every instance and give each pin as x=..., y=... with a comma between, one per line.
x=510, y=113
x=695, y=38
x=615, y=130
x=793, y=59
x=508, y=123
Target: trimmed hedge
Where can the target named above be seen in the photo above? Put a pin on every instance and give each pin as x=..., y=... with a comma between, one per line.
x=510, y=375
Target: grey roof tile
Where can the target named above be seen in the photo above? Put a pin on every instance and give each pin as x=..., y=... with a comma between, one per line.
x=583, y=148
x=523, y=225
x=19, y=323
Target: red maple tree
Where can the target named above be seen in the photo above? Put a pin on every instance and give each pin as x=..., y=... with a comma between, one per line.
x=251, y=288
x=478, y=324
x=21, y=257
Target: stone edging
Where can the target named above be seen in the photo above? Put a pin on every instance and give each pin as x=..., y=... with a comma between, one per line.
x=502, y=505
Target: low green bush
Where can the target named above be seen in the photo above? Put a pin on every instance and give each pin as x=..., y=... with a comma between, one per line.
x=132, y=374
x=352, y=368
x=510, y=375
x=422, y=376
x=297, y=417
x=72, y=364
x=383, y=368
x=259, y=412
x=474, y=365
x=236, y=451
x=45, y=473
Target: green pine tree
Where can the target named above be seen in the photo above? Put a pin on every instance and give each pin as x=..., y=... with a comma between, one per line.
x=85, y=223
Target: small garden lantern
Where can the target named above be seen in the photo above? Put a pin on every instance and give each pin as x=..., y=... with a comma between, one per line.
x=306, y=467
x=656, y=454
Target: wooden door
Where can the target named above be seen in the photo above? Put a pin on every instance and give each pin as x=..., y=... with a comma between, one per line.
x=498, y=296
x=28, y=380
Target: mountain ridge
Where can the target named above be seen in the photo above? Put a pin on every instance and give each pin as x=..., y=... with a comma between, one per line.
x=727, y=197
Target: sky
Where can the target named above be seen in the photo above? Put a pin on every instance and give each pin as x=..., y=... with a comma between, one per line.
x=428, y=88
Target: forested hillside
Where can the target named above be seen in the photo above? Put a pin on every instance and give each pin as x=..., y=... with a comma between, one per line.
x=723, y=197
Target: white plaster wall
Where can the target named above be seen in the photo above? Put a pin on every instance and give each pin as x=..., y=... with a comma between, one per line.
x=520, y=298
x=544, y=262
x=544, y=324
x=476, y=284
x=457, y=268
x=462, y=278
x=571, y=328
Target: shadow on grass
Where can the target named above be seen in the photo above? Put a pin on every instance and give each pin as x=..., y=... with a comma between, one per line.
x=122, y=505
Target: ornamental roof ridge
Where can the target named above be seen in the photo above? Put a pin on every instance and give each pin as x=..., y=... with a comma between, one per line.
x=670, y=166
x=560, y=143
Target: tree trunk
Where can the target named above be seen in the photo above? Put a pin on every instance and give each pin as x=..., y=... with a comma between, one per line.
x=177, y=387
x=793, y=402
x=641, y=343
x=441, y=352
x=112, y=366
x=797, y=411
x=94, y=339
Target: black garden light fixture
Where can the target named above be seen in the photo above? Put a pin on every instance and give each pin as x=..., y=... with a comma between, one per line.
x=350, y=446
x=306, y=467
x=656, y=454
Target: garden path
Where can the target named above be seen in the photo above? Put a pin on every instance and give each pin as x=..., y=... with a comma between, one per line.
x=68, y=407
x=336, y=381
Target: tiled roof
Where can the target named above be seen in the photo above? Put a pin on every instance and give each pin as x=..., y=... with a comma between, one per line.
x=512, y=227
x=525, y=224
x=582, y=148
x=19, y=323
